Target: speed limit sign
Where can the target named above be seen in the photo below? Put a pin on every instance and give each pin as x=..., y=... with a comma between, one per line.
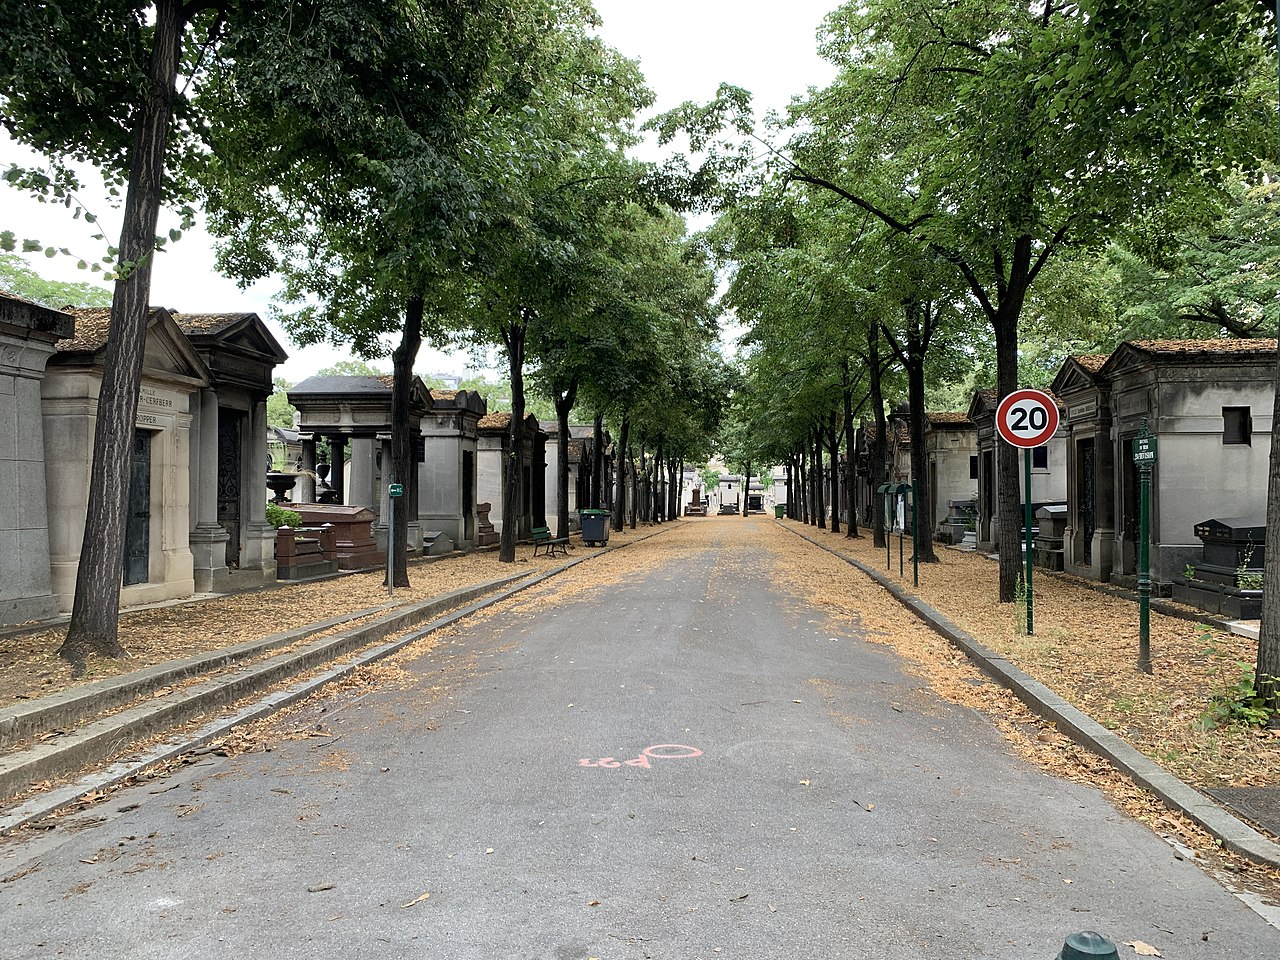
x=1027, y=418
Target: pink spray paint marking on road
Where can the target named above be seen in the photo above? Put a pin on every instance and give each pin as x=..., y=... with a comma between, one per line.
x=658, y=751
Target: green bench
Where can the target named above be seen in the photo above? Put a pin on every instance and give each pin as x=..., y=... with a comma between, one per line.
x=542, y=540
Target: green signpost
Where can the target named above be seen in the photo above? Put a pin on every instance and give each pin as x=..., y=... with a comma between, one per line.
x=1027, y=419
x=1144, y=458
x=394, y=491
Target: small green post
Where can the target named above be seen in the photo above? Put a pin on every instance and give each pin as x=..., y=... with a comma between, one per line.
x=1026, y=467
x=391, y=543
x=1144, y=455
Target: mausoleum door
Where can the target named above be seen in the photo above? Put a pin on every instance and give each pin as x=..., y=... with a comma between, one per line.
x=988, y=493
x=137, y=533
x=468, y=495
x=230, y=424
x=1088, y=504
x=1130, y=528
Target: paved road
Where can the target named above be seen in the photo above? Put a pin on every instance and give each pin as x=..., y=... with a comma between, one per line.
x=675, y=758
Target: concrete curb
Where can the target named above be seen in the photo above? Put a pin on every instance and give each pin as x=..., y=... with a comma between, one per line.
x=198, y=699
x=1235, y=834
x=91, y=742
x=69, y=706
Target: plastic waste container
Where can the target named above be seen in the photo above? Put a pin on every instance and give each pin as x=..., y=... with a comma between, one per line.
x=595, y=527
x=779, y=510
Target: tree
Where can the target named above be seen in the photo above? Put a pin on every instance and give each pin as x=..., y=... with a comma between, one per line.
x=995, y=134
x=96, y=80
x=18, y=278
x=280, y=411
x=1215, y=277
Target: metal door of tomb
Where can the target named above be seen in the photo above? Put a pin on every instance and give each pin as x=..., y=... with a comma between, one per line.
x=1088, y=507
x=137, y=531
x=229, y=464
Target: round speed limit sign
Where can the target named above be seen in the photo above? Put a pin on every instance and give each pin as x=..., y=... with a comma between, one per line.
x=1027, y=418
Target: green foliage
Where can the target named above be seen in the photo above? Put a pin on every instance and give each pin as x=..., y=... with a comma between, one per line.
x=1247, y=579
x=1237, y=700
x=279, y=410
x=352, y=368
x=1020, y=597
x=17, y=277
x=279, y=516
x=1214, y=277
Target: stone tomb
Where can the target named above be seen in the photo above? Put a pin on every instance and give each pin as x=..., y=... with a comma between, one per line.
x=493, y=460
x=158, y=561
x=447, y=473
x=1209, y=403
x=1228, y=577
x=356, y=410
x=232, y=544
x=28, y=335
x=354, y=546
x=1051, y=526
x=486, y=535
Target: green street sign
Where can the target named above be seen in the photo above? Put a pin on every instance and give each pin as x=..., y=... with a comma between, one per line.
x=395, y=490
x=1144, y=450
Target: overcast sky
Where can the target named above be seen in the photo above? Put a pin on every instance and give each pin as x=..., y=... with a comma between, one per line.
x=686, y=48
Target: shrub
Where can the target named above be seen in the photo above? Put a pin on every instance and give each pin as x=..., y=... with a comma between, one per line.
x=278, y=516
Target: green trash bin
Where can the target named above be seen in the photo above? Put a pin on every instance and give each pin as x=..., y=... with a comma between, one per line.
x=595, y=527
x=779, y=510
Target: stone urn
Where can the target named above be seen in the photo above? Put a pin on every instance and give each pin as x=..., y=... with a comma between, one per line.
x=280, y=483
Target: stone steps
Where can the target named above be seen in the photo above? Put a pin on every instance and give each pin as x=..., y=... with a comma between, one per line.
x=58, y=735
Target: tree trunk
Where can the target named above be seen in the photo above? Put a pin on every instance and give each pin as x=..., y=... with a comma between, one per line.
x=634, y=512
x=96, y=608
x=802, y=480
x=920, y=461
x=659, y=468
x=1267, y=673
x=673, y=491
x=850, y=456
x=597, y=459
x=564, y=401
x=815, y=451
x=746, y=491
x=620, y=475
x=833, y=435
x=880, y=442
x=513, y=336
x=1009, y=507
x=791, y=494
x=404, y=443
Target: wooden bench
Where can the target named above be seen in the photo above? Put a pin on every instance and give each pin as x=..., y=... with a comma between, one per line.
x=542, y=540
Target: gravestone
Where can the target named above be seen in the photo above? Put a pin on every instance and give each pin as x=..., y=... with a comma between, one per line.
x=353, y=532
x=485, y=534
x=961, y=519
x=436, y=543
x=1052, y=529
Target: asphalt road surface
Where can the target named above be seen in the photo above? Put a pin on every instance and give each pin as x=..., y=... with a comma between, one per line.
x=676, y=759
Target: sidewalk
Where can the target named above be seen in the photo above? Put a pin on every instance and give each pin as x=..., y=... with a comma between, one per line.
x=1083, y=656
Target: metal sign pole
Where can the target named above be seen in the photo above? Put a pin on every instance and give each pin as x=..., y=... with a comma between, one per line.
x=391, y=546
x=1026, y=460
